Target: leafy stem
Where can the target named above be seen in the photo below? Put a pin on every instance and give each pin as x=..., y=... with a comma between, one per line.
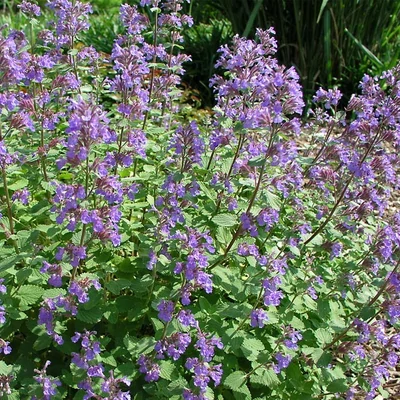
x=343, y=192
x=8, y=201
x=370, y=304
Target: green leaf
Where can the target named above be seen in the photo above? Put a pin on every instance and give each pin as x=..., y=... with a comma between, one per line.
x=224, y=235
x=167, y=370
x=116, y=286
x=29, y=294
x=110, y=360
x=91, y=316
x=224, y=220
x=111, y=314
x=368, y=52
x=338, y=386
x=252, y=17
x=150, y=199
x=52, y=293
x=145, y=345
x=5, y=369
x=253, y=345
x=16, y=314
x=273, y=200
x=235, y=380
x=42, y=342
x=177, y=385
x=267, y=378
x=11, y=261
x=235, y=310
x=141, y=285
x=206, y=191
x=124, y=303
x=128, y=369
x=19, y=184
x=129, y=343
x=323, y=336
x=22, y=275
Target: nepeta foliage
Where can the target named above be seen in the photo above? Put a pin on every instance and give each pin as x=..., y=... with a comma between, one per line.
x=148, y=252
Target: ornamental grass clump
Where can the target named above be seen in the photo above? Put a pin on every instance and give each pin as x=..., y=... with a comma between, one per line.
x=147, y=254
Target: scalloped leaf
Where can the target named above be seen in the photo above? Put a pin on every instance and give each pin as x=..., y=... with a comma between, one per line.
x=235, y=380
x=167, y=370
x=29, y=294
x=225, y=220
x=90, y=316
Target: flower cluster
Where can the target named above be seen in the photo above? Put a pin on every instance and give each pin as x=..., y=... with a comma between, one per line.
x=49, y=384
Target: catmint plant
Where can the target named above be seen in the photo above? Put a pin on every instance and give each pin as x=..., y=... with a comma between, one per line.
x=150, y=252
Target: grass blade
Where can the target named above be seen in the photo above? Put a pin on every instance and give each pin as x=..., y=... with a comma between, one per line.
x=368, y=52
x=321, y=10
x=252, y=18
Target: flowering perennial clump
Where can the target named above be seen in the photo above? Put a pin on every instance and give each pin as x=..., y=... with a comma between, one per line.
x=152, y=252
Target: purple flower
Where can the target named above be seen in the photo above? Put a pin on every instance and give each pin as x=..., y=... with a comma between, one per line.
x=174, y=346
x=258, y=318
x=96, y=371
x=283, y=362
x=5, y=157
x=148, y=367
x=272, y=296
x=268, y=217
x=80, y=288
x=248, y=225
x=203, y=372
x=392, y=359
x=86, y=385
x=153, y=260
x=206, y=346
x=245, y=249
x=336, y=250
x=364, y=330
x=5, y=347
x=3, y=288
x=293, y=337
x=394, y=312
x=22, y=196
x=133, y=20
x=111, y=386
x=72, y=18
x=46, y=315
x=14, y=59
x=312, y=293
x=329, y=98
x=188, y=145
x=90, y=349
x=29, y=8
x=350, y=394
x=186, y=318
x=49, y=384
x=55, y=270
x=166, y=309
